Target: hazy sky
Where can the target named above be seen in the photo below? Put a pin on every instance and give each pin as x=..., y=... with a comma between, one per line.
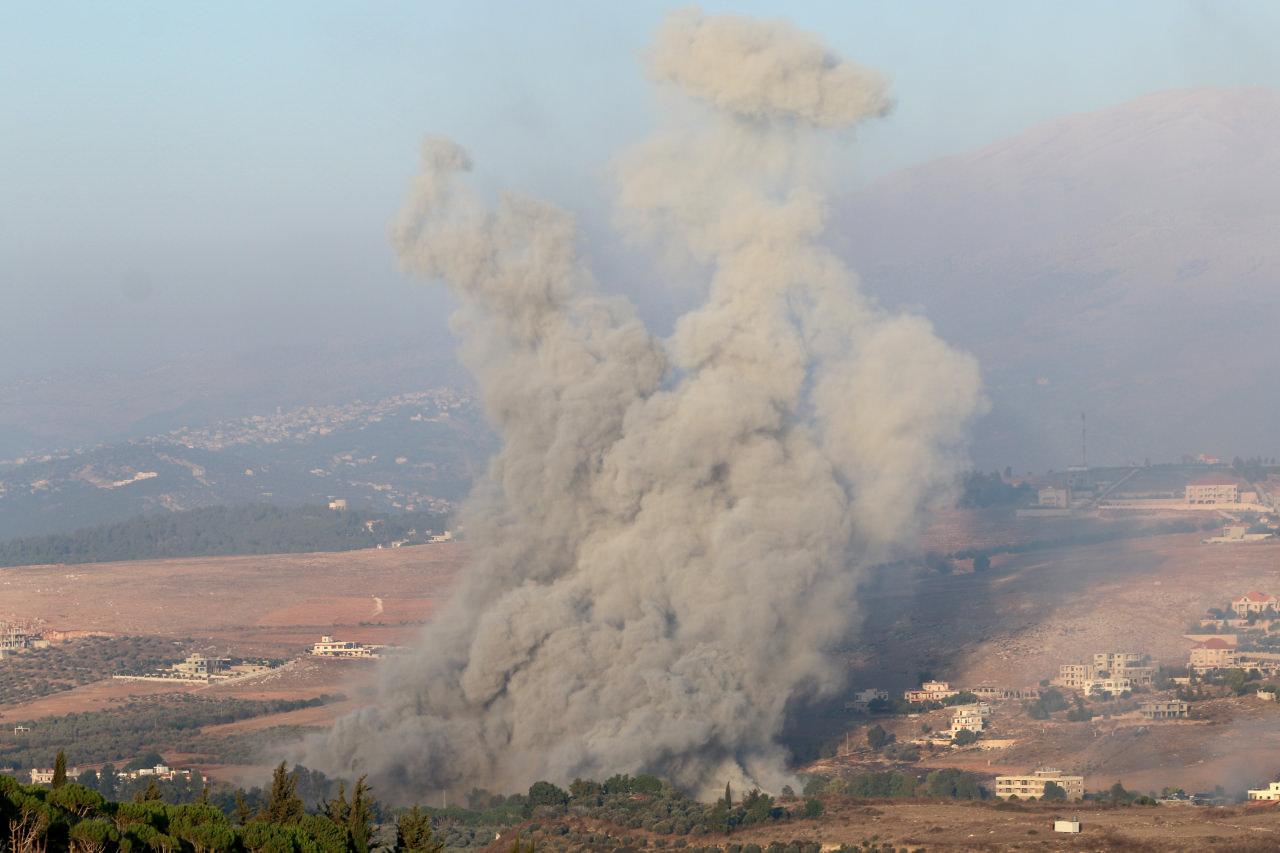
x=177, y=175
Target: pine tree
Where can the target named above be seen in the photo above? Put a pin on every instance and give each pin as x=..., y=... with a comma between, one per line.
x=413, y=833
x=60, y=769
x=283, y=805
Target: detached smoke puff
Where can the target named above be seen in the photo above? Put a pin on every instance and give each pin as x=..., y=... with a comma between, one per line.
x=764, y=69
x=669, y=543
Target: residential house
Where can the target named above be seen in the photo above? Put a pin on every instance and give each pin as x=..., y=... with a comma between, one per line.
x=1033, y=785
x=931, y=691
x=1213, y=653
x=863, y=698
x=1113, y=685
x=1271, y=792
x=1253, y=603
x=972, y=717
x=1172, y=709
x=1074, y=675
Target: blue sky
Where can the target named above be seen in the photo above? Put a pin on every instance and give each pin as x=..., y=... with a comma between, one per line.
x=208, y=164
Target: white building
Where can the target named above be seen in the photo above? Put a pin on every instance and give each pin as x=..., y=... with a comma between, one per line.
x=972, y=717
x=1271, y=792
x=1032, y=785
x=44, y=775
x=863, y=698
x=930, y=691
x=328, y=647
x=1052, y=497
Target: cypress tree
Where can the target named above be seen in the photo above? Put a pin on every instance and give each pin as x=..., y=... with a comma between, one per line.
x=243, y=814
x=60, y=769
x=360, y=818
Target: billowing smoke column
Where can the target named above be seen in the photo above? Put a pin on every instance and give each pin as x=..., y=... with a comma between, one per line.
x=668, y=545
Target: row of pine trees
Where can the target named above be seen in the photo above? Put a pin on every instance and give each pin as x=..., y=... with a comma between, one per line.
x=70, y=817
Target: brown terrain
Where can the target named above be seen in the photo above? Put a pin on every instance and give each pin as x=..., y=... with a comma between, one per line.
x=256, y=605
x=1010, y=626
x=272, y=606
x=1013, y=625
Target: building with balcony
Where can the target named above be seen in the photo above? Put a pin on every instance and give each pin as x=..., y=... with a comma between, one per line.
x=1032, y=785
x=1172, y=709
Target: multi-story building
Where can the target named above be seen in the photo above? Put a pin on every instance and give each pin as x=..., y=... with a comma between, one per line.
x=44, y=775
x=1213, y=490
x=1213, y=653
x=1171, y=709
x=1114, y=662
x=1254, y=603
x=1033, y=785
x=972, y=717
x=1115, y=685
x=1111, y=672
x=1271, y=792
x=1052, y=497
x=15, y=637
x=200, y=668
x=1074, y=675
x=930, y=691
x=863, y=698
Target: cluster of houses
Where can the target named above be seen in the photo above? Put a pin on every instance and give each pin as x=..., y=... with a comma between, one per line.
x=44, y=775
x=1252, y=613
x=1109, y=673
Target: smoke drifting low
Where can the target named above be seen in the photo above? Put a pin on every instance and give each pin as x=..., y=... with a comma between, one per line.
x=670, y=540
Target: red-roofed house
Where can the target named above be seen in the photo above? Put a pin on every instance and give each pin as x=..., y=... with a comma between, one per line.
x=1213, y=490
x=1214, y=653
x=1254, y=602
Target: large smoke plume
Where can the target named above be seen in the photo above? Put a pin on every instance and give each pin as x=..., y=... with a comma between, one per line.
x=669, y=543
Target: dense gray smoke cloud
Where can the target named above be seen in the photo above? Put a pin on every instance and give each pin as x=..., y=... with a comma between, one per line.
x=668, y=545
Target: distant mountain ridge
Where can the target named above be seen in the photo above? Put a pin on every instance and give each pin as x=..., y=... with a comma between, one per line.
x=410, y=452
x=1122, y=263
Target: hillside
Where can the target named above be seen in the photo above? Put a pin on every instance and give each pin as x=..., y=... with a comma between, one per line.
x=1119, y=262
x=221, y=530
x=411, y=452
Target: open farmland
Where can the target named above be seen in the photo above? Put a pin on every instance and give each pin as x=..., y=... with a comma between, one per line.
x=273, y=606
x=254, y=605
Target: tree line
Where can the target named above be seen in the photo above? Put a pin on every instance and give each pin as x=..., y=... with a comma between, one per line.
x=221, y=531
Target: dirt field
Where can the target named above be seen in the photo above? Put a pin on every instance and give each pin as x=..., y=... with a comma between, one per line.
x=961, y=826
x=274, y=606
x=1016, y=623
x=257, y=605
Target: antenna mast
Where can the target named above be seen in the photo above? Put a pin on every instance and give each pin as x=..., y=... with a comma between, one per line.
x=1084, y=442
